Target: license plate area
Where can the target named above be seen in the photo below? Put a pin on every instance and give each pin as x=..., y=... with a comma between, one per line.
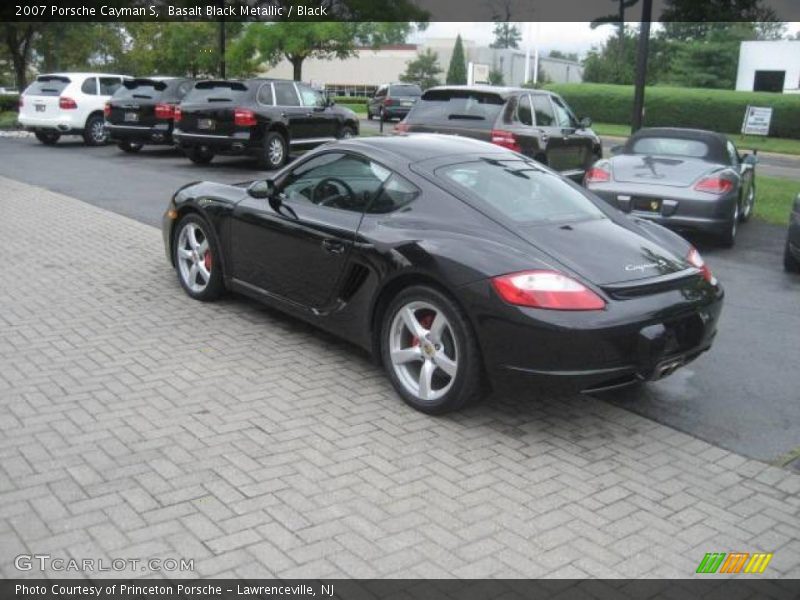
x=651, y=205
x=40, y=107
x=205, y=123
x=131, y=117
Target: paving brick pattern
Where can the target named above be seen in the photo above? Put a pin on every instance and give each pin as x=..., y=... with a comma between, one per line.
x=135, y=422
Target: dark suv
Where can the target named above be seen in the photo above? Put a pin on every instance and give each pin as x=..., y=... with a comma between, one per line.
x=260, y=117
x=141, y=111
x=536, y=123
x=393, y=100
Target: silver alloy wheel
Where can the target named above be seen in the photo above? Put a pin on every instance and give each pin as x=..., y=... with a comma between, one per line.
x=275, y=151
x=748, y=206
x=735, y=224
x=423, y=350
x=194, y=258
x=98, y=131
x=347, y=133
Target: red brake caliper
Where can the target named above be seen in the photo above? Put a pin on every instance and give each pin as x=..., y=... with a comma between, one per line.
x=426, y=321
x=207, y=260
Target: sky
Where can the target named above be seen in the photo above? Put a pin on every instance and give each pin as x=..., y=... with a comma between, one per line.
x=567, y=37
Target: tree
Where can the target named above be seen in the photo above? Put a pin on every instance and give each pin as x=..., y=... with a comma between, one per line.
x=18, y=39
x=423, y=70
x=604, y=65
x=506, y=35
x=457, y=71
x=297, y=40
x=573, y=56
x=496, y=77
x=687, y=20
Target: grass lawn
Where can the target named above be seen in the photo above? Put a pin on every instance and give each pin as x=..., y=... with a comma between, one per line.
x=359, y=109
x=8, y=120
x=744, y=143
x=774, y=198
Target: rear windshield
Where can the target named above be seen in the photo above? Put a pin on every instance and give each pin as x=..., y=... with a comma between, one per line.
x=145, y=89
x=48, y=86
x=520, y=190
x=405, y=90
x=670, y=146
x=466, y=108
x=216, y=91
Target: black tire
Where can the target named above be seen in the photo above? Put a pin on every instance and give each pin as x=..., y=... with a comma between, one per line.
x=48, y=138
x=728, y=238
x=347, y=131
x=383, y=116
x=130, y=147
x=215, y=285
x=275, y=151
x=199, y=155
x=95, y=134
x=467, y=384
x=790, y=263
x=745, y=213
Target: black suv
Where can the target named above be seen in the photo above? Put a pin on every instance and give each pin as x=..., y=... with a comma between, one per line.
x=536, y=123
x=393, y=100
x=260, y=117
x=141, y=111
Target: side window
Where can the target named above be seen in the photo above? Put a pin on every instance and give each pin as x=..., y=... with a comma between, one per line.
x=311, y=97
x=335, y=180
x=183, y=89
x=285, y=94
x=524, y=114
x=395, y=194
x=264, y=95
x=89, y=86
x=543, y=110
x=109, y=85
x=381, y=92
x=563, y=116
x=733, y=155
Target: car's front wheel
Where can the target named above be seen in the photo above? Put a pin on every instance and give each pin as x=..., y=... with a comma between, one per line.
x=748, y=204
x=790, y=263
x=275, y=151
x=199, y=155
x=430, y=352
x=347, y=132
x=130, y=147
x=48, y=138
x=95, y=134
x=197, y=259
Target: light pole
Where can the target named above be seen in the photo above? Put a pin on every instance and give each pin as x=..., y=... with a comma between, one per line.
x=641, y=65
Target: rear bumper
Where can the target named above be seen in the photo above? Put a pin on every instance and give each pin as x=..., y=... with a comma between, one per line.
x=157, y=134
x=240, y=143
x=396, y=112
x=63, y=122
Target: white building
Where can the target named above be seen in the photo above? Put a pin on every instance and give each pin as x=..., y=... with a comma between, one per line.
x=769, y=67
x=363, y=73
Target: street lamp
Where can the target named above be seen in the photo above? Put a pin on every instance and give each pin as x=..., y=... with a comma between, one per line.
x=641, y=65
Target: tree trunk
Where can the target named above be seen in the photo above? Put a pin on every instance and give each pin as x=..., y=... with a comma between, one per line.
x=297, y=66
x=19, y=42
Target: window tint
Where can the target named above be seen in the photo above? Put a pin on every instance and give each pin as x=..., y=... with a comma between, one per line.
x=520, y=190
x=89, y=86
x=47, y=86
x=395, y=194
x=216, y=91
x=563, y=116
x=311, y=97
x=335, y=180
x=285, y=94
x=524, y=114
x=109, y=85
x=183, y=89
x=405, y=90
x=543, y=110
x=265, y=94
x=381, y=92
x=670, y=146
x=144, y=89
x=465, y=108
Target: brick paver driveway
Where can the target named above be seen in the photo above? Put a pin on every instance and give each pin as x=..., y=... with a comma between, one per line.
x=138, y=423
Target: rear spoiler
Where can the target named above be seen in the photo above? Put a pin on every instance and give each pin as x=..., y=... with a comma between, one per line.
x=132, y=84
x=220, y=83
x=61, y=78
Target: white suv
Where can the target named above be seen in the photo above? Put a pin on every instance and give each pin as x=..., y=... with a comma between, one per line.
x=68, y=104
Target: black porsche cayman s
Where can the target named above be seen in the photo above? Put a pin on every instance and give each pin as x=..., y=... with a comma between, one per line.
x=455, y=262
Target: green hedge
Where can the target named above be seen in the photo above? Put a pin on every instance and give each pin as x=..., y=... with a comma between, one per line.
x=9, y=102
x=718, y=110
x=350, y=99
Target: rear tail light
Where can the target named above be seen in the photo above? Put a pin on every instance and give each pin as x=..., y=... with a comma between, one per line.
x=546, y=289
x=243, y=117
x=66, y=103
x=107, y=110
x=165, y=111
x=401, y=127
x=177, y=115
x=714, y=185
x=388, y=102
x=506, y=139
x=697, y=261
x=597, y=175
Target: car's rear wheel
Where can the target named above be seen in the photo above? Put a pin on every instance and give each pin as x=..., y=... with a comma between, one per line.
x=48, y=138
x=790, y=263
x=130, y=147
x=728, y=238
x=748, y=204
x=430, y=352
x=199, y=155
x=347, y=132
x=275, y=151
x=197, y=259
x=95, y=134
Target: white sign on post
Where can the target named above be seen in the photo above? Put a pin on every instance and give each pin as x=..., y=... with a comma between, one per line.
x=477, y=73
x=756, y=120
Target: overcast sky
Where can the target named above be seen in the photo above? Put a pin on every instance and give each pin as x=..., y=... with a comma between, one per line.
x=567, y=37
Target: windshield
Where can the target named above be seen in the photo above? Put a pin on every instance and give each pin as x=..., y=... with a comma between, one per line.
x=453, y=106
x=670, y=146
x=520, y=190
x=48, y=86
x=216, y=92
x=405, y=90
x=141, y=88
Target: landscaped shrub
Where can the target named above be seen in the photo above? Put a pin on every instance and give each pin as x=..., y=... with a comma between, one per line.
x=350, y=99
x=9, y=102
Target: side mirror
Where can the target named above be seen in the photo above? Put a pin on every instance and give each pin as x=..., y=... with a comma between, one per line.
x=614, y=150
x=750, y=159
x=585, y=122
x=261, y=189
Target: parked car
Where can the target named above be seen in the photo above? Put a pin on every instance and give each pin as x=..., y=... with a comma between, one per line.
x=451, y=260
x=393, y=100
x=791, y=255
x=68, y=104
x=536, y=123
x=260, y=117
x=685, y=179
x=141, y=111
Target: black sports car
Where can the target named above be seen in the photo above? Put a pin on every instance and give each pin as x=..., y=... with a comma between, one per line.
x=454, y=262
x=684, y=179
x=791, y=255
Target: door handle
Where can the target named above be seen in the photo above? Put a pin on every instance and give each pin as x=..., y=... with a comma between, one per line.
x=333, y=246
x=309, y=114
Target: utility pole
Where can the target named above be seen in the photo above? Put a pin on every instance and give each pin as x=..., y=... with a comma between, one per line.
x=641, y=65
x=222, y=42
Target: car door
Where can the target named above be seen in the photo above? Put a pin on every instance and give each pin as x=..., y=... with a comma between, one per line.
x=298, y=250
x=577, y=148
x=298, y=117
x=324, y=123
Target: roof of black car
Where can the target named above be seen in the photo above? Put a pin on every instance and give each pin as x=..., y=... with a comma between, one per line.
x=420, y=146
x=502, y=91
